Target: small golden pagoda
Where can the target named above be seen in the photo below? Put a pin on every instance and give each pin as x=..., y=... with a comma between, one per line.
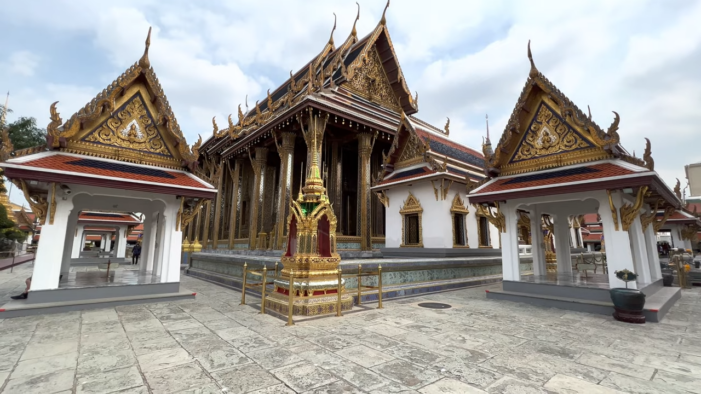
x=311, y=242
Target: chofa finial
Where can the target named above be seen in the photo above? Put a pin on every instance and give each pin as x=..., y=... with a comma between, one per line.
x=383, y=21
x=333, y=30
x=144, y=62
x=534, y=70
x=354, y=32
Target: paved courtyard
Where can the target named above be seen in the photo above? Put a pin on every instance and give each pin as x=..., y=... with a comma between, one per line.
x=213, y=345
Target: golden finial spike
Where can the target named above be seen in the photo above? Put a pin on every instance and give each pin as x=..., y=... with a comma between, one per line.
x=383, y=21
x=354, y=32
x=214, y=124
x=333, y=30
x=534, y=70
x=246, y=103
x=144, y=62
x=589, y=109
x=447, y=127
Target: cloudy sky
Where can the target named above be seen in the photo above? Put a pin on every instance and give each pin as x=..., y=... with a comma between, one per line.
x=464, y=58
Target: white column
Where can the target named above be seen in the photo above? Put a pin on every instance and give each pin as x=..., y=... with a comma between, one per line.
x=47, y=267
x=172, y=246
x=653, y=257
x=158, y=248
x=677, y=241
x=68, y=243
x=151, y=245
x=510, y=260
x=146, y=252
x=589, y=249
x=108, y=242
x=618, y=253
x=77, y=241
x=122, y=241
x=639, y=250
x=537, y=242
x=573, y=238
x=563, y=253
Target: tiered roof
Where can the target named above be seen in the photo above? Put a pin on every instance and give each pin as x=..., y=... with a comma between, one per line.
x=549, y=146
x=103, y=218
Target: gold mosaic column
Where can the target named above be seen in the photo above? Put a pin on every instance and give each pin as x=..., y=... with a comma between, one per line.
x=235, y=202
x=258, y=187
x=207, y=216
x=364, y=198
x=217, y=207
x=334, y=185
x=286, y=152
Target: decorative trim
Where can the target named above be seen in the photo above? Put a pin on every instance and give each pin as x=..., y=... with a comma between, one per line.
x=411, y=206
x=52, y=208
x=647, y=219
x=613, y=210
x=630, y=212
x=458, y=208
x=38, y=204
x=382, y=196
x=667, y=213
x=496, y=218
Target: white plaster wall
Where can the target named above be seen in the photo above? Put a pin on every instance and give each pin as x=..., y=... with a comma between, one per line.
x=393, y=220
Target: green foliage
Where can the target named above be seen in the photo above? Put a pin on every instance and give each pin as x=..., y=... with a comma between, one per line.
x=8, y=229
x=24, y=133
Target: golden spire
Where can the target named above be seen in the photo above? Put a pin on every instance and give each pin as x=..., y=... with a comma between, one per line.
x=354, y=32
x=333, y=30
x=534, y=70
x=144, y=62
x=383, y=21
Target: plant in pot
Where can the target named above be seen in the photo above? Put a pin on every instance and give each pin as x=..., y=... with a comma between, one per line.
x=627, y=303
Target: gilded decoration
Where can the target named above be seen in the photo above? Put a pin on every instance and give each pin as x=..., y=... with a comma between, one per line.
x=614, y=214
x=647, y=156
x=678, y=189
x=188, y=212
x=647, y=219
x=630, y=211
x=689, y=232
x=52, y=200
x=131, y=127
x=458, y=208
x=371, y=82
x=126, y=141
x=412, y=206
x=38, y=203
x=559, y=147
x=413, y=152
x=494, y=216
x=668, y=211
x=7, y=147
x=382, y=196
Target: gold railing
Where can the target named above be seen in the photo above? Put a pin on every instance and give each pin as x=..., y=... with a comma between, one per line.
x=263, y=274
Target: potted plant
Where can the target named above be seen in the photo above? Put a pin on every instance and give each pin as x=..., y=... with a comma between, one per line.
x=628, y=303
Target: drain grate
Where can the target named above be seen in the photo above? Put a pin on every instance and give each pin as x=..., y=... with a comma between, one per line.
x=434, y=305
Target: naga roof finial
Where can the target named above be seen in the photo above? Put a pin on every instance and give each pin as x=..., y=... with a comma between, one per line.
x=383, y=21
x=333, y=30
x=534, y=70
x=144, y=62
x=354, y=32
x=486, y=118
x=589, y=109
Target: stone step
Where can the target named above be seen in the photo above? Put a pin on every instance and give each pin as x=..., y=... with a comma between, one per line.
x=18, y=308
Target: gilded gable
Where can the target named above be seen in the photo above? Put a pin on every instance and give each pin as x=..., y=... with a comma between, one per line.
x=412, y=153
x=370, y=81
x=548, y=134
x=132, y=127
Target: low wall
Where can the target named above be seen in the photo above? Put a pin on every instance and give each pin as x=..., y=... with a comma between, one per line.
x=398, y=275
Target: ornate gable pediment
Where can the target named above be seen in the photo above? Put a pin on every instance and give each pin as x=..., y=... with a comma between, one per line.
x=370, y=81
x=132, y=127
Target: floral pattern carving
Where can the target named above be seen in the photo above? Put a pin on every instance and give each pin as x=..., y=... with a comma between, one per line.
x=370, y=81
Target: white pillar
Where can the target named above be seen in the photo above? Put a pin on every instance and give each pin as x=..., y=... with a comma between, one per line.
x=158, y=248
x=47, y=267
x=146, y=251
x=510, y=260
x=122, y=241
x=77, y=241
x=639, y=251
x=151, y=245
x=580, y=238
x=537, y=242
x=677, y=241
x=618, y=253
x=68, y=244
x=573, y=238
x=172, y=245
x=563, y=253
x=108, y=242
x=652, y=254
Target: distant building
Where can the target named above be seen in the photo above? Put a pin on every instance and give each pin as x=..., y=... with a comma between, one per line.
x=693, y=175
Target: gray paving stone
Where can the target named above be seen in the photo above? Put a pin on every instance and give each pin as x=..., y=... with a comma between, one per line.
x=217, y=355
x=245, y=378
x=165, y=342
x=44, y=365
x=468, y=373
x=685, y=382
x=251, y=343
x=629, y=384
x=303, y=376
x=359, y=376
x=637, y=371
x=334, y=388
x=109, y=381
x=179, y=378
x=508, y=385
x=413, y=354
x=450, y=386
x=278, y=389
x=364, y=355
x=274, y=357
x=406, y=373
x=569, y=385
x=162, y=359
x=34, y=350
x=42, y=383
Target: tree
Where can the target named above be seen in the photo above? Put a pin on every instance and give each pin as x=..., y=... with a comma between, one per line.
x=24, y=133
x=8, y=230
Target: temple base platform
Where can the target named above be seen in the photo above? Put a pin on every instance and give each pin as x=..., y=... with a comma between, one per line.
x=582, y=294
x=307, y=306
x=401, y=277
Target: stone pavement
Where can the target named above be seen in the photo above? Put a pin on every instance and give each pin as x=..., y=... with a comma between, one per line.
x=213, y=345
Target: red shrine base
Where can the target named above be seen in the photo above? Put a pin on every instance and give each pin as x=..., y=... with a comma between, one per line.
x=311, y=306
x=635, y=317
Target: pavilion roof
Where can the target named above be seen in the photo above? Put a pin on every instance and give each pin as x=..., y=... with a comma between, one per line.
x=336, y=76
x=106, y=217
x=681, y=216
x=55, y=166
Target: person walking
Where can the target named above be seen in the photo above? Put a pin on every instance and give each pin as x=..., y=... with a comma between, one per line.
x=135, y=254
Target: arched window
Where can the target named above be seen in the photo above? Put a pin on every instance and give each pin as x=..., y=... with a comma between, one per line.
x=459, y=218
x=411, y=223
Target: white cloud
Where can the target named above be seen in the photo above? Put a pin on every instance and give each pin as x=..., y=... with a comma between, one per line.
x=21, y=63
x=639, y=58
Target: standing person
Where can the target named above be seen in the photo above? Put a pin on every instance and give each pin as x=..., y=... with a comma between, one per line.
x=136, y=253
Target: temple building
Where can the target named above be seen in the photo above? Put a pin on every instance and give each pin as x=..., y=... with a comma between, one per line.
x=374, y=154
x=123, y=152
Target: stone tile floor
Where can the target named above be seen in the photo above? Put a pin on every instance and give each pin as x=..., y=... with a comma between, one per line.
x=214, y=345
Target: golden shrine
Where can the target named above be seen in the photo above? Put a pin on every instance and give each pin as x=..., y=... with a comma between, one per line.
x=310, y=260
